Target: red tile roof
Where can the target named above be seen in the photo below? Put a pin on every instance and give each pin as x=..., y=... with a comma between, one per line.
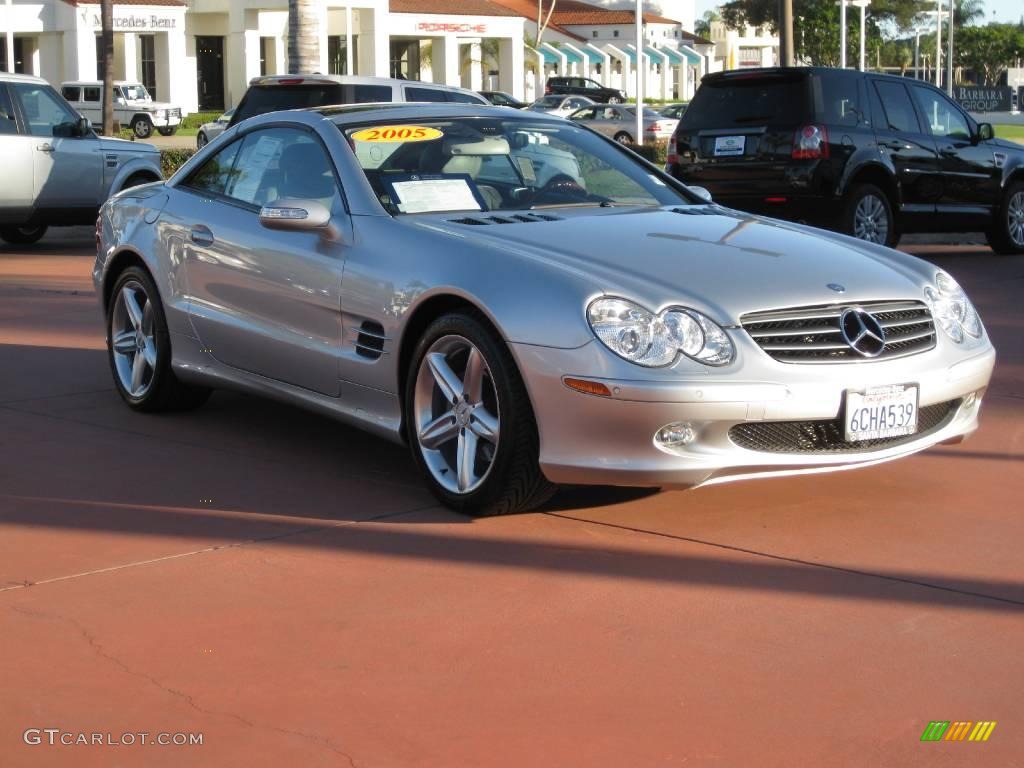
x=452, y=7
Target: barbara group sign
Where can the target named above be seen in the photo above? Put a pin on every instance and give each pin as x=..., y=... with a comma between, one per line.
x=983, y=98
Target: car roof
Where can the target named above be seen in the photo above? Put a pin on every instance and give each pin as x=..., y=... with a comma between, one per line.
x=316, y=77
x=754, y=72
x=100, y=82
x=346, y=114
x=11, y=77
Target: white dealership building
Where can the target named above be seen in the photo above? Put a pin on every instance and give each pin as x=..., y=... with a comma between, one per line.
x=200, y=54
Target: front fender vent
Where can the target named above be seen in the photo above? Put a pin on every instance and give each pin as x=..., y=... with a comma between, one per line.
x=519, y=218
x=370, y=340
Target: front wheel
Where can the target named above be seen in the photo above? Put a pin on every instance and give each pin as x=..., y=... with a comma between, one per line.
x=139, y=348
x=23, y=235
x=168, y=131
x=868, y=216
x=614, y=100
x=623, y=138
x=469, y=421
x=1007, y=233
x=201, y=140
x=142, y=128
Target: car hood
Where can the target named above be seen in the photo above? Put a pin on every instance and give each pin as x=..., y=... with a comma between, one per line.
x=110, y=144
x=1006, y=144
x=721, y=261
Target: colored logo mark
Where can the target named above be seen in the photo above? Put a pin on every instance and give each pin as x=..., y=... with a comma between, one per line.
x=961, y=730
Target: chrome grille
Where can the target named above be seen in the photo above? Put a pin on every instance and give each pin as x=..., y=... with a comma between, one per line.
x=813, y=334
x=828, y=436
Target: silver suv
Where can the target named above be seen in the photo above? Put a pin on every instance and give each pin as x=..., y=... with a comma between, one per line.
x=271, y=93
x=56, y=170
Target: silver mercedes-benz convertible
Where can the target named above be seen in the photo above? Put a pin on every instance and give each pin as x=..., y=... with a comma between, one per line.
x=526, y=304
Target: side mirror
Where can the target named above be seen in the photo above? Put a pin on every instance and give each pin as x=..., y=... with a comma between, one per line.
x=84, y=126
x=985, y=132
x=295, y=215
x=701, y=192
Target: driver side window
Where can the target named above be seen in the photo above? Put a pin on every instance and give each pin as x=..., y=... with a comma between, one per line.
x=940, y=115
x=44, y=110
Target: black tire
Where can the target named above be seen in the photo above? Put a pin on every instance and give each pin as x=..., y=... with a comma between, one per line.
x=142, y=127
x=168, y=131
x=624, y=138
x=23, y=235
x=878, y=227
x=1000, y=236
x=201, y=140
x=614, y=100
x=513, y=481
x=164, y=391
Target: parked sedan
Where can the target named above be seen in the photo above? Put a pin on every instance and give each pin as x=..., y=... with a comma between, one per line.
x=210, y=131
x=561, y=106
x=673, y=111
x=618, y=121
x=415, y=272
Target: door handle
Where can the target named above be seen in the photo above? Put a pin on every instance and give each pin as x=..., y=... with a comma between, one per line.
x=948, y=150
x=201, y=235
x=47, y=147
x=897, y=145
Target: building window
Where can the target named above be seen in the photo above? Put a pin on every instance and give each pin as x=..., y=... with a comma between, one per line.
x=3, y=53
x=99, y=58
x=595, y=33
x=147, y=46
x=750, y=56
x=336, y=46
x=266, y=46
x=405, y=59
x=615, y=33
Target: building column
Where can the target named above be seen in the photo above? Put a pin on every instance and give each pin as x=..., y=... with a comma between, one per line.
x=510, y=66
x=79, y=54
x=445, y=60
x=175, y=71
x=130, y=52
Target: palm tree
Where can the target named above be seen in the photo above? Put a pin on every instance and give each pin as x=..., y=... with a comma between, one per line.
x=967, y=12
x=303, y=36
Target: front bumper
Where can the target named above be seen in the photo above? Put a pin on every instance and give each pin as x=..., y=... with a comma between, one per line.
x=592, y=440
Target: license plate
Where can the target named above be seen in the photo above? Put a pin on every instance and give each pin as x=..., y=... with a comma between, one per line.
x=726, y=146
x=880, y=412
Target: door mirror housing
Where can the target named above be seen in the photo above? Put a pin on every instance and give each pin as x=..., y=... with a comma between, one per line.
x=296, y=215
x=84, y=126
x=985, y=132
x=701, y=192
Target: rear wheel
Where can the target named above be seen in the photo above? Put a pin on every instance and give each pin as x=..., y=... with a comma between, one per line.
x=469, y=421
x=1007, y=234
x=23, y=235
x=623, y=138
x=142, y=127
x=868, y=216
x=139, y=348
x=201, y=140
x=614, y=100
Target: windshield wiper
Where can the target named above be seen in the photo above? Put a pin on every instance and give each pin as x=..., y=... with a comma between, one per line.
x=604, y=204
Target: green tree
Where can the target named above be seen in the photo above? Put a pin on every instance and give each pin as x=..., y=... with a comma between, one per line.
x=989, y=50
x=703, y=25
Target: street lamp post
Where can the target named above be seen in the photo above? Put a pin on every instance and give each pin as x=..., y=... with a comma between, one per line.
x=917, y=54
x=10, y=36
x=949, y=56
x=639, y=19
x=863, y=5
x=842, y=34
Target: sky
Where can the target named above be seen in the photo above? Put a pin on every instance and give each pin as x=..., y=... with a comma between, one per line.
x=1004, y=10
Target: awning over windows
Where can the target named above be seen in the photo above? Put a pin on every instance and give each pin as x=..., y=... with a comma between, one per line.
x=571, y=56
x=594, y=56
x=691, y=55
x=550, y=56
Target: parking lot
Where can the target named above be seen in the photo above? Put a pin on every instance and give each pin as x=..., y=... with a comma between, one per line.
x=286, y=587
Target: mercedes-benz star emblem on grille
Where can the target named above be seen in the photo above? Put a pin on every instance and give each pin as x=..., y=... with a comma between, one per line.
x=836, y=287
x=862, y=332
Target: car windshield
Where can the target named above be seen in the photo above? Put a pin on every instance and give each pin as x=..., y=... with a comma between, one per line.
x=745, y=100
x=496, y=164
x=549, y=102
x=136, y=93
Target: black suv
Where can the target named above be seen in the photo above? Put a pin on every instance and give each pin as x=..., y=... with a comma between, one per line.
x=584, y=86
x=874, y=156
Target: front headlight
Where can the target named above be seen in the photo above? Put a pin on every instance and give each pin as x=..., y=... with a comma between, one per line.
x=952, y=309
x=642, y=337
x=161, y=113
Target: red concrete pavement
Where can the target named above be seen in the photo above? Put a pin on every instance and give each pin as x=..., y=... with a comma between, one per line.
x=284, y=585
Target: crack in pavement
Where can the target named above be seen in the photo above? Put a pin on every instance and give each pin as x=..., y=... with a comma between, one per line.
x=187, y=698
x=216, y=548
x=787, y=559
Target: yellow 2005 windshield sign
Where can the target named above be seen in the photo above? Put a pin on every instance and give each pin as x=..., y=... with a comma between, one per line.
x=393, y=133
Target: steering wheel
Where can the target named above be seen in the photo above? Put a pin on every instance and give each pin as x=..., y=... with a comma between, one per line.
x=561, y=188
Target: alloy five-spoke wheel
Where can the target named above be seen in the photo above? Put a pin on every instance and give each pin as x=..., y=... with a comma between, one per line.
x=1015, y=218
x=1007, y=232
x=139, y=347
x=133, y=338
x=469, y=420
x=456, y=413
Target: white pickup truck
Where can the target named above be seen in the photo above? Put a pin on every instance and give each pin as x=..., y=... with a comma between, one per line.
x=133, y=106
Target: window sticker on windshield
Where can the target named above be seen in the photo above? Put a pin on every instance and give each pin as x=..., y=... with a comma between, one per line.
x=526, y=168
x=431, y=194
x=403, y=133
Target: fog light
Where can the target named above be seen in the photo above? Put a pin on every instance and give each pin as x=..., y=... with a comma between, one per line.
x=676, y=435
x=970, y=400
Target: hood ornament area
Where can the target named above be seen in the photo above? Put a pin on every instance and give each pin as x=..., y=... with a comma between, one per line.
x=836, y=287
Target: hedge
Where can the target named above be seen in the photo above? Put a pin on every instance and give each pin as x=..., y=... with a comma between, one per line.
x=172, y=159
x=654, y=153
x=197, y=119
